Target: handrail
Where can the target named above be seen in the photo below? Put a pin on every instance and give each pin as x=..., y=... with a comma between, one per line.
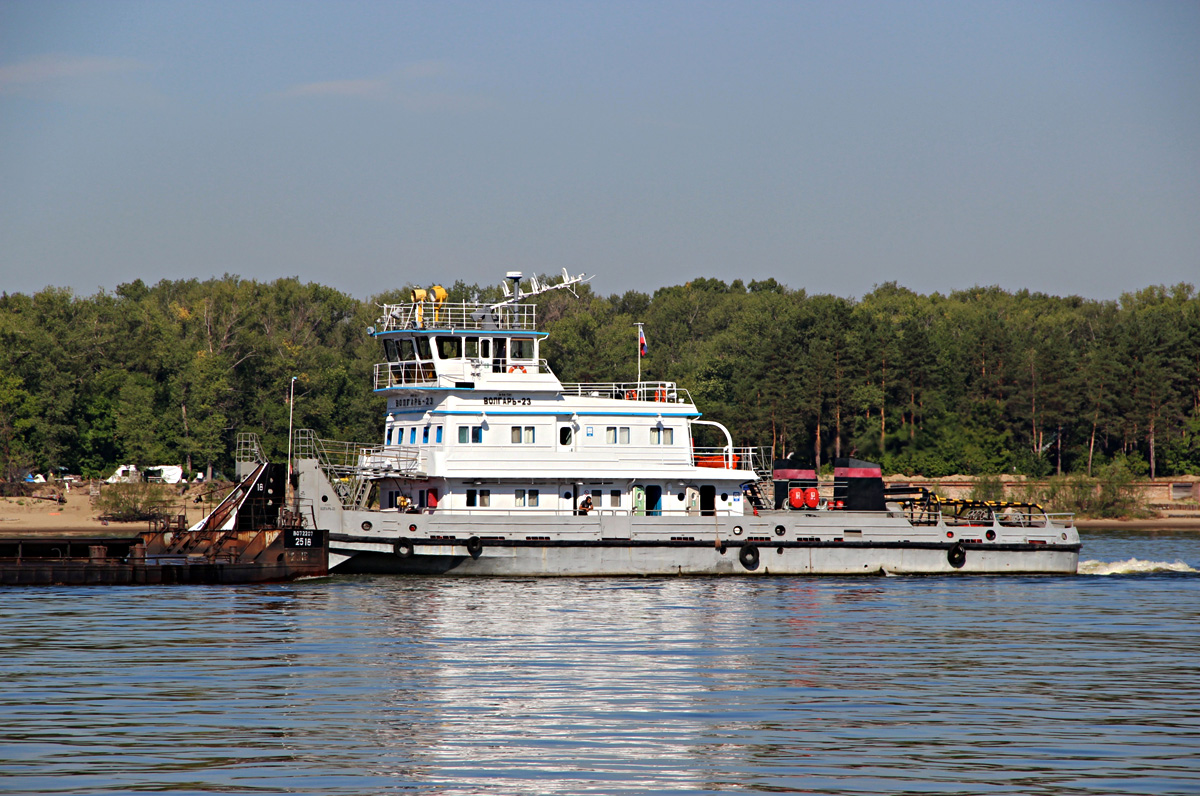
x=459, y=315
x=653, y=391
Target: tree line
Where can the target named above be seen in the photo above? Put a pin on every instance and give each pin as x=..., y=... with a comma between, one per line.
x=979, y=381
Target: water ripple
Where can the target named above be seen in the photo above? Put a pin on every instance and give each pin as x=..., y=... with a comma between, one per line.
x=380, y=685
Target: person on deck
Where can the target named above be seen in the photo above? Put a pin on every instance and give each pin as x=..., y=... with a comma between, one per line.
x=586, y=505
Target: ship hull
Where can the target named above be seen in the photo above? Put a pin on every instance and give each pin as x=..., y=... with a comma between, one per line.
x=783, y=544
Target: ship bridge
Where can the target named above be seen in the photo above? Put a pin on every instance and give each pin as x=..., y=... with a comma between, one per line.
x=432, y=344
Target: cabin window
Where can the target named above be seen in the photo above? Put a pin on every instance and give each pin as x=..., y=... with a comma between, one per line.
x=470, y=434
x=389, y=435
x=519, y=498
x=564, y=435
x=522, y=348
x=522, y=434
x=485, y=348
x=471, y=346
x=485, y=498
x=662, y=436
x=439, y=435
x=614, y=435
x=614, y=499
x=449, y=347
x=412, y=436
x=532, y=497
x=425, y=435
x=472, y=498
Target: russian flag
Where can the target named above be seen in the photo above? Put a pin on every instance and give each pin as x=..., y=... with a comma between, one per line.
x=641, y=342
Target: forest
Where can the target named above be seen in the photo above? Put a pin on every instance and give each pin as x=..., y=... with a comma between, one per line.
x=980, y=381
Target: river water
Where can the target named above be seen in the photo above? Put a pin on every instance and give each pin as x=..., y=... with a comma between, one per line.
x=972, y=685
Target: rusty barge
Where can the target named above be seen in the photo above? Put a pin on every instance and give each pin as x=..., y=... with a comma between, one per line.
x=248, y=538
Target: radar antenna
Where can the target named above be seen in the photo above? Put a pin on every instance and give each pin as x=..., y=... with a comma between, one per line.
x=537, y=288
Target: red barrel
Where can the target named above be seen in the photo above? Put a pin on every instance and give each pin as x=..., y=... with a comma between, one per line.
x=812, y=497
x=796, y=497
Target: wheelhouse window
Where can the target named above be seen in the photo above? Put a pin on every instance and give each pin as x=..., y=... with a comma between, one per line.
x=449, y=347
x=424, y=351
x=471, y=347
x=521, y=348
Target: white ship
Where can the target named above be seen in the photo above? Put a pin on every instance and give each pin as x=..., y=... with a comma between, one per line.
x=489, y=465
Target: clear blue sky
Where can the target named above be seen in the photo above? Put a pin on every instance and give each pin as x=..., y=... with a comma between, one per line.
x=1053, y=146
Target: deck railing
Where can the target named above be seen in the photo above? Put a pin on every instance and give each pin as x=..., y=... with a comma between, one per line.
x=458, y=316
x=416, y=373
x=659, y=391
x=738, y=458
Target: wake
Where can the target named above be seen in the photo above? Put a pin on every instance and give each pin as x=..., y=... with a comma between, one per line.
x=1134, y=566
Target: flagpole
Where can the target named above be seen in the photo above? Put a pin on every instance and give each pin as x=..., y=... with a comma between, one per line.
x=639, y=358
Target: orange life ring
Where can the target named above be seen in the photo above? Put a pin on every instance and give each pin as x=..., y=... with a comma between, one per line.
x=660, y=395
x=515, y=368
x=630, y=395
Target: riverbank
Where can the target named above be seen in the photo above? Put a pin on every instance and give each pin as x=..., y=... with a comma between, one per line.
x=1151, y=524
x=77, y=516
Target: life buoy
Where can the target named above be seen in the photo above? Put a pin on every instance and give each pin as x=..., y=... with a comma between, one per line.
x=957, y=556
x=660, y=395
x=474, y=547
x=748, y=555
x=403, y=548
x=630, y=395
x=515, y=368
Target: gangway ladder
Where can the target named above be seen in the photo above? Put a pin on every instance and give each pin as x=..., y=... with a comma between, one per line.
x=758, y=501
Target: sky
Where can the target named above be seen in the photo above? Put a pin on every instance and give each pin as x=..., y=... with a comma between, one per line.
x=833, y=146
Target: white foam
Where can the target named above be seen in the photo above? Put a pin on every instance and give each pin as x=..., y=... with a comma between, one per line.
x=1134, y=566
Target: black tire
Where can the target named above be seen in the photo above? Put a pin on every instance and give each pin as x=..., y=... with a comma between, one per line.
x=403, y=548
x=957, y=556
x=749, y=557
x=474, y=547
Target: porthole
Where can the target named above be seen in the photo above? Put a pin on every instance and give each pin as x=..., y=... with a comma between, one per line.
x=724, y=496
x=737, y=530
x=324, y=498
x=412, y=527
x=366, y=526
x=780, y=530
x=681, y=496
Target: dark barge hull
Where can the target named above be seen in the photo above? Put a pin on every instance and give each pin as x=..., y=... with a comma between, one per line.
x=259, y=556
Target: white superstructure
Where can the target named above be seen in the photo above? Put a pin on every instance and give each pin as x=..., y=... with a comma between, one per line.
x=490, y=465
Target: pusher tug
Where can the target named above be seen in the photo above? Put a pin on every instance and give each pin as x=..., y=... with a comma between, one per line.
x=490, y=465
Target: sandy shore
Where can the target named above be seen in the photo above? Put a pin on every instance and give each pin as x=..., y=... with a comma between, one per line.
x=76, y=517
x=1152, y=524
